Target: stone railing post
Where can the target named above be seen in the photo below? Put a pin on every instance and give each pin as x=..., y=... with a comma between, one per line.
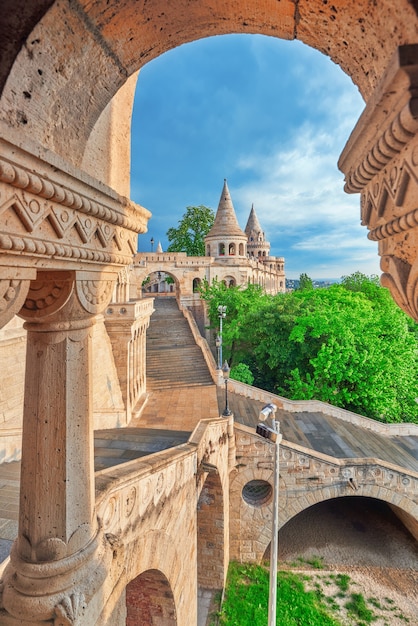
x=57, y=560
x=380, y=161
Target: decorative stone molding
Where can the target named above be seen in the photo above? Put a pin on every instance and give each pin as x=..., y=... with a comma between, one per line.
x=14, y=287
x=94, y=294
x=53, y=216
x=69, y=610
x=48, y=294
x=379, y=161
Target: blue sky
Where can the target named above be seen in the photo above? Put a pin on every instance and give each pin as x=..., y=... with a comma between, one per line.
x=270, y=116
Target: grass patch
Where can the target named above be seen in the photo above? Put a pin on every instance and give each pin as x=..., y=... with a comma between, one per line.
x=246, y=599
x=357, y=607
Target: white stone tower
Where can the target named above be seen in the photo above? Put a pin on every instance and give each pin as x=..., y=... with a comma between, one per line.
x=257, y=245
x=225, y=240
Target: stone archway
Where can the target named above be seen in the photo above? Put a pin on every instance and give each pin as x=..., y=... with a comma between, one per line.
x=350, y=530
x=210, y=535
x=149, y=601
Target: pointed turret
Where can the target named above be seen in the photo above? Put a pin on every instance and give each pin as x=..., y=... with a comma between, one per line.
x=257, y=246
x=159, y=248
x=226, y=223
x=226, y=238
x=253, y=225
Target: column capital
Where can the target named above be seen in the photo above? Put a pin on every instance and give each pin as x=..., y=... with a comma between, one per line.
x=66, y=295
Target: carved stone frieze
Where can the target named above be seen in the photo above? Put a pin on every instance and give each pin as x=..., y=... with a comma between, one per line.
x=380, y=161
x=51, y=215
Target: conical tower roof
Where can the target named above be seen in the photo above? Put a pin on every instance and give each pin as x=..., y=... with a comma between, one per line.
x=253, y=225
x=226, y=223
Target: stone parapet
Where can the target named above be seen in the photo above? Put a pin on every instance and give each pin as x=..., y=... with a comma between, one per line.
x=316, y=406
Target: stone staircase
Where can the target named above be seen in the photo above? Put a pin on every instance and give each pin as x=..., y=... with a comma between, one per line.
x=173, y=358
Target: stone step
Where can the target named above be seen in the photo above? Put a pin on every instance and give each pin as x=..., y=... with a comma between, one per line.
x=173, y=358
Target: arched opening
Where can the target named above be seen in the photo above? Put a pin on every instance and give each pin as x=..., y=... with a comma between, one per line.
x=241, y=249
x=196, y=284
x=159, y=283
x=352, y=530
x=221, y=249
x=208, y=250
x=231, y=250
x=149, y=601
x=230, y=281
x=210, y=535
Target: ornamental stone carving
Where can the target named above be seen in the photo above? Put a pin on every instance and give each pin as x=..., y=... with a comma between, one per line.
x=58, y=218
x=13, y=292
x=69, y=610
x=380, y=161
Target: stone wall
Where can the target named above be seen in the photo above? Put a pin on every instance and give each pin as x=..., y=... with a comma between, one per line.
x=306, y=478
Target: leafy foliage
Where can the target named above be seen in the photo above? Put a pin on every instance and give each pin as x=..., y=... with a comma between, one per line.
x=305, y=282
x=193, y=227
x=240, y=303
x=349, y=345
x=242, y=373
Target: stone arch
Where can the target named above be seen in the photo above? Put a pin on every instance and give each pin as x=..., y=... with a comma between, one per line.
x=155, y=557
x=241, y=251
x=221, y=249
x=141, y=274
x=230, y=281
x=379, y=492
x=232, y=249
x=196, y=284
x=342, y=506
x=120, y=40
x=149, y=600
x=210, y=534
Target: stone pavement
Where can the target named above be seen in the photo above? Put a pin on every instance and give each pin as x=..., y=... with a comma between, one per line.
x=327, y=434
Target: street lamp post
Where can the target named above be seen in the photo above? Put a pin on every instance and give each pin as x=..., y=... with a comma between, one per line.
x=274, y=435
x=152, y=244
x=218, y=348
x=221, y=315
x=225, y=373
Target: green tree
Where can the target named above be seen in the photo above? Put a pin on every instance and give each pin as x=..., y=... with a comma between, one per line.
x=193, y=227
x=349, y=345
x=305, y=282
x=239, y=302
x=242, y=373
x=354, y=349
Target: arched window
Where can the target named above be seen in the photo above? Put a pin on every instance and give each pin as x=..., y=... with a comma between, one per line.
x=196, y=284
x=208, y=250
x=241, y=249
x=221, y=249
x=231, y=249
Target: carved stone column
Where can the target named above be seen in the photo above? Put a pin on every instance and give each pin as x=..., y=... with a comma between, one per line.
x=57, y=562
x=380, y=161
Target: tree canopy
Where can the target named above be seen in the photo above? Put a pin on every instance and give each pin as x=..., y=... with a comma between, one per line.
x=349, y=345
x=190, y=234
